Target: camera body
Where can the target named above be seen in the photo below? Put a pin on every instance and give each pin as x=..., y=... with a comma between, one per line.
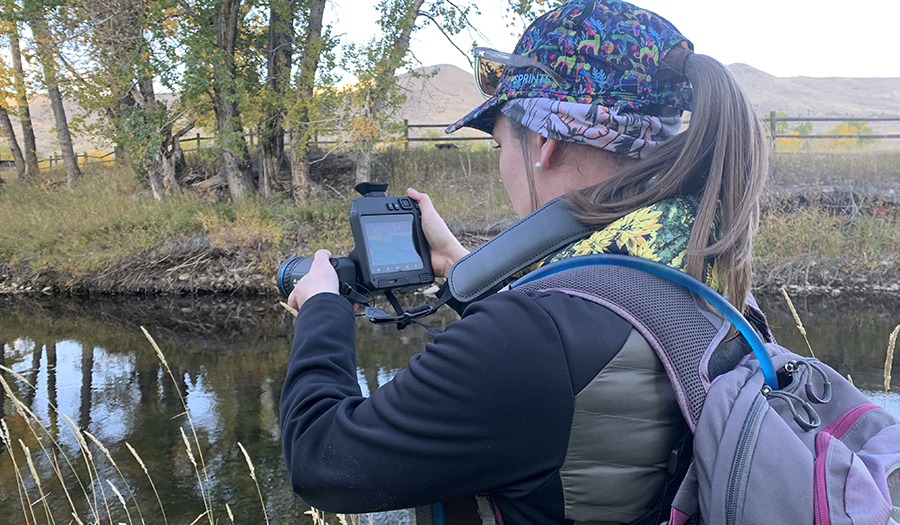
x=390, y=251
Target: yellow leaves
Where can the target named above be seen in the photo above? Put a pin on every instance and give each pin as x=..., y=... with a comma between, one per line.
x=789, y=144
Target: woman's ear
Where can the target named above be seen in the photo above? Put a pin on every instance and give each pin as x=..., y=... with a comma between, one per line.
x=550, y=149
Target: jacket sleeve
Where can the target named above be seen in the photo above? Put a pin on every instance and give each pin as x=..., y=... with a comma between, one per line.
x=486, y=407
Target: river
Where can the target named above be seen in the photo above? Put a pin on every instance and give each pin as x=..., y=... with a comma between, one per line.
x=92, y=367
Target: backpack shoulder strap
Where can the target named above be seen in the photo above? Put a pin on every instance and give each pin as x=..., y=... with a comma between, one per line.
x=651, y=303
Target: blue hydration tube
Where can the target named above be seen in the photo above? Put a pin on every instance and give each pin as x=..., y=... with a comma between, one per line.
x=692, y=284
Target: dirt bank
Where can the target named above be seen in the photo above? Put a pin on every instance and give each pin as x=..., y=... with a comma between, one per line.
x=194, y=267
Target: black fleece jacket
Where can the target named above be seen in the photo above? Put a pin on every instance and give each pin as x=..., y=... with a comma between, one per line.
x=485, y=409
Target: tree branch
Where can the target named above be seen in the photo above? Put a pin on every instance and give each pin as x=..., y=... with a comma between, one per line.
x=441, y=29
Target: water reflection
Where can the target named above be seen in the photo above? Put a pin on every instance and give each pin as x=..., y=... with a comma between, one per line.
x=91, y=367
x=89, y=361
x=849, y=333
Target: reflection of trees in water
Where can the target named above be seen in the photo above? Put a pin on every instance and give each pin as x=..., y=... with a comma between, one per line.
x=849, y=333
x=224, y=349
x=228, y=353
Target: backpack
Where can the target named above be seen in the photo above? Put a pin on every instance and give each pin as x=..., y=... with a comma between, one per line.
x=777, y=437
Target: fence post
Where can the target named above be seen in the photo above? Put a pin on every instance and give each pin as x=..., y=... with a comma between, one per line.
x=405, y=133
x=772, y=131
x=198, y=141
x=85, y=159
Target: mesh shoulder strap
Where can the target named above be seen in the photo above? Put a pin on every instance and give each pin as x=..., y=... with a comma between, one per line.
x=666, y=314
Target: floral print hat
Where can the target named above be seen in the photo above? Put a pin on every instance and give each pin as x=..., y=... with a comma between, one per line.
x=624, y=67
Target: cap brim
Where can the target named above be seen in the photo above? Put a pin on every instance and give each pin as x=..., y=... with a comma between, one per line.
x=480, y=118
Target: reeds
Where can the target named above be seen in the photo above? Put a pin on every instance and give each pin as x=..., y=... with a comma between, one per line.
x=798, y=322
x=889, y=362
x=99, y=506
x=204, y=493
x=253, y=476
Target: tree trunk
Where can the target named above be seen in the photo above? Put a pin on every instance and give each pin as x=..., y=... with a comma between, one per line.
x=171, y=168
x=32, y=170
x=300, y=135
x=45, y=56
x=279, y=57
x=10, y=135
x=300, y=183
x=70, y=162
x=364, y=163
x=155, y=173
x=233, y=149
x=396, y=51
x=271, y=154
x=87, y=369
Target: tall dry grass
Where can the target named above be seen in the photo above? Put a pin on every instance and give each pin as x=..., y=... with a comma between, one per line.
x=99, y=493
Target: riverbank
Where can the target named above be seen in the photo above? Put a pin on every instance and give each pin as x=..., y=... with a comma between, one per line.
x=831, y=225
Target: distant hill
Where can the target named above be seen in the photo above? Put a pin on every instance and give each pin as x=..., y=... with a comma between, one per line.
x=451, y=93
x=442, y=94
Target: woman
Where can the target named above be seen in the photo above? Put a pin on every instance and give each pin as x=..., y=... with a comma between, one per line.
x=587, y=106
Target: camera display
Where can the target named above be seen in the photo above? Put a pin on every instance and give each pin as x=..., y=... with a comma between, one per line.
x=390, y=250
x=389, y=243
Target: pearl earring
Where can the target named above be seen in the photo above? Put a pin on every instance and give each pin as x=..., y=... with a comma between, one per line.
x=537, y=165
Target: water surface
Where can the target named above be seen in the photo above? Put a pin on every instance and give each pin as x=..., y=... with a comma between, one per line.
x=90, y=364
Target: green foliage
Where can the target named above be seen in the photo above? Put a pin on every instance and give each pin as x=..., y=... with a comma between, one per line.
x=784, y=235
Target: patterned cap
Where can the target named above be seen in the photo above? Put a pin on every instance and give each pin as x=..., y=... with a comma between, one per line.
x=609, y=50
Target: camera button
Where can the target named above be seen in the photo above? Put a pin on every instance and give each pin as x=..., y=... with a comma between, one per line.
x=405, y=203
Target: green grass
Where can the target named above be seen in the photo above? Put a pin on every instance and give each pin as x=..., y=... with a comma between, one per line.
x=464, y=184
x=109, y=217
x=847, y=168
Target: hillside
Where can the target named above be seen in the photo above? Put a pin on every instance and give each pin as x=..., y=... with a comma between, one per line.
x=451, y=93
x=442, y=94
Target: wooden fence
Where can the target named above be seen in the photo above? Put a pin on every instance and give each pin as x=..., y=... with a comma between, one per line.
x=449, y=142
x=771, y=120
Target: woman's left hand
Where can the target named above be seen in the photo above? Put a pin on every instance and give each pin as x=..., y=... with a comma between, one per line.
x=321, y=279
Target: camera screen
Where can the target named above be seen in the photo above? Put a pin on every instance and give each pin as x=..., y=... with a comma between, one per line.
x=389, y=242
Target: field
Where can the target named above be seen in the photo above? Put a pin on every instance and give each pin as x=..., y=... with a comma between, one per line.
x=830, y=222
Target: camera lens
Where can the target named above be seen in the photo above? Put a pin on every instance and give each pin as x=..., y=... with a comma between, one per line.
x=284, y=281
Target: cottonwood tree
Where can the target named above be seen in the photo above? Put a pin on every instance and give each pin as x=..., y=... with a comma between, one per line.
x=6, y=126
x=212, y=32
x=279, y=55
x=376, y=98
x=35, y=13
x=305, y=112
x=10, y=15
x=118, y=50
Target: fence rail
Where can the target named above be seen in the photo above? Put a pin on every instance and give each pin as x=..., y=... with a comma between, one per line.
x=771, y=120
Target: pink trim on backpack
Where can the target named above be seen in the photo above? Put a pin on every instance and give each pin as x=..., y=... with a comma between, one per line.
x=676, y=517
x=835, y=430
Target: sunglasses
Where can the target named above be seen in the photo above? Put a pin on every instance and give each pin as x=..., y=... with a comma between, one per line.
x=490, y=63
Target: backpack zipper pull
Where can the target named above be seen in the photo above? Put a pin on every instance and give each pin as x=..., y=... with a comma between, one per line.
x=812, y=420
x=795, y=366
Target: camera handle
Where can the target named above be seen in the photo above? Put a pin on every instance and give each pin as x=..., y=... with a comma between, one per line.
x=404, y=319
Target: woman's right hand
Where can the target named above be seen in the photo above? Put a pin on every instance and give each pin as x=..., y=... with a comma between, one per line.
x=445, y=248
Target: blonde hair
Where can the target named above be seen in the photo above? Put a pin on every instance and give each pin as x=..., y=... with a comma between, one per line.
x=722, y=158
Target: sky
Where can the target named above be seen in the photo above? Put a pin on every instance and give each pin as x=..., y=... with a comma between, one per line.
x=785, y=38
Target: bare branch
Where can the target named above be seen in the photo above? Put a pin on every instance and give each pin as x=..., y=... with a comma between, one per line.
x=468, y=22
x=183, y=131
x=441, y=29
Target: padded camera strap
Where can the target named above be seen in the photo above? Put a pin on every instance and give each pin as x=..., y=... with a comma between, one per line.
x=549, y=228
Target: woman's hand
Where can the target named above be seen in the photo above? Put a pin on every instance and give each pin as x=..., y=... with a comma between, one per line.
x=445, y=248
x=321, y=279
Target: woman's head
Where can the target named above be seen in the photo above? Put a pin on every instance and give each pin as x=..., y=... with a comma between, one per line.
x=630, y=74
